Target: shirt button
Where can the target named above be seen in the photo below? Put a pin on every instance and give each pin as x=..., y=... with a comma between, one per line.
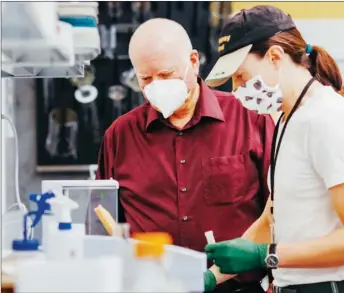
x=185, y=218
x=182, y=161
x=180, y=133
x=184, y=189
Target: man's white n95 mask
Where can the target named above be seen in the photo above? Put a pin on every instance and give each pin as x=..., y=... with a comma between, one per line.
x=168, y=95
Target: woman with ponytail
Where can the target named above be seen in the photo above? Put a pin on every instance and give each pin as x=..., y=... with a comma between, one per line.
x=300, y=235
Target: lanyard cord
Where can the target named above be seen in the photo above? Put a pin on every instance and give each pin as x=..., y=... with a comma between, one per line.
x=274, y=150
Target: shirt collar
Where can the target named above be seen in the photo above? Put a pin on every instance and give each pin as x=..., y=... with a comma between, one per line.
x=207, y=106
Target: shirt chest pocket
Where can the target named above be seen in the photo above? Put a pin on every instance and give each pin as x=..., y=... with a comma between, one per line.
x=229, y=179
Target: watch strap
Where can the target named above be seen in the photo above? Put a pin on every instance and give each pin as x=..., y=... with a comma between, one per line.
x=272, y=248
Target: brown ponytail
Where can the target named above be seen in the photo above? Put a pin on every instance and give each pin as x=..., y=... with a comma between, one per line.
x=324, y=68
x=320, y=64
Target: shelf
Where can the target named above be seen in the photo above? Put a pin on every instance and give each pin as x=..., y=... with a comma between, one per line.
x=77, y=70
x=40, y=46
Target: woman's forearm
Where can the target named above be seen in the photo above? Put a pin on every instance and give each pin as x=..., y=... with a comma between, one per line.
x=220, y=278
x=323, y=252
x=259, y=231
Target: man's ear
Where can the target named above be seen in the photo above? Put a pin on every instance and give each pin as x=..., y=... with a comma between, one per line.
x=194, y=59
x=275, y=54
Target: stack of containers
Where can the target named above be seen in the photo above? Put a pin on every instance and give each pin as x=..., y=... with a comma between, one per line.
x=83, y=16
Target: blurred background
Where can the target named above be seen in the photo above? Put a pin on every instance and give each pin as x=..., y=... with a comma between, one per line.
x=59, y=137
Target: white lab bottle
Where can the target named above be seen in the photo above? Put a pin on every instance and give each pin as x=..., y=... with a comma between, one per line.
x=49, y=224
x=66, y=242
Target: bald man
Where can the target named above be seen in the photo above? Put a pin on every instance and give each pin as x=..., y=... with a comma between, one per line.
x=191, y=159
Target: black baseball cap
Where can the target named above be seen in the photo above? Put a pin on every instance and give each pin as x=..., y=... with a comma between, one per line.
x=247, y=27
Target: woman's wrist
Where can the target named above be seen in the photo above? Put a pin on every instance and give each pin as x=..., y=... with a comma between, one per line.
x=220, y=278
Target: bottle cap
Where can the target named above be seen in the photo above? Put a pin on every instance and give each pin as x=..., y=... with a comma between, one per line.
x=25, y=245
x=62, y=207
x=151, y=244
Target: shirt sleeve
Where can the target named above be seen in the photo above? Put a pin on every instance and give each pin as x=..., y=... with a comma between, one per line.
x=325, y=143
x=266, y=126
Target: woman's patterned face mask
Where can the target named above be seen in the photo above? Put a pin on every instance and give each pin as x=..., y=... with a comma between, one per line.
x=257, y=96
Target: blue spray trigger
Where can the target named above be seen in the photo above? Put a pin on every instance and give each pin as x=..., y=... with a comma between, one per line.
x=27, y=244
x=42, y=205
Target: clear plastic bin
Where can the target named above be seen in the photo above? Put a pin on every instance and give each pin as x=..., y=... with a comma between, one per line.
x=88, y=194
x=182, y=264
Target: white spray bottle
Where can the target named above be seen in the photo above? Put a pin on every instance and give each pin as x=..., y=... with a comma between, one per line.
x=65, y=243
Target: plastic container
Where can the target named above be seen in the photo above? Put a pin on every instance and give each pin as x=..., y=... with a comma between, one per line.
x=186, y=265
x=151, y=274
x=81, y=276
x=13, y=260
x=88, y=194
x=12, y=227
x=23, y=251
x=181, y=264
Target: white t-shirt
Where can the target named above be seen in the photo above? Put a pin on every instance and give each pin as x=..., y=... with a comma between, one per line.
x=310, y=161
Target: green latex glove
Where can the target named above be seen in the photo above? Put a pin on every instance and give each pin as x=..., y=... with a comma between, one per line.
x=237, y=255
x=209, y=281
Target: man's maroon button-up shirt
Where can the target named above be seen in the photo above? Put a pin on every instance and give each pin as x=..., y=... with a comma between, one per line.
x=209, y=176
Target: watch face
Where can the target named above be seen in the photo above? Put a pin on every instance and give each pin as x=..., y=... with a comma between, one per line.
x=272, y=261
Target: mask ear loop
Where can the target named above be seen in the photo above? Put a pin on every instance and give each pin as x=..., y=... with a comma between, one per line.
x=186, y=70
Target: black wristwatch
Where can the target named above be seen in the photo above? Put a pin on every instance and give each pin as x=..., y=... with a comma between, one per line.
x=272, y=260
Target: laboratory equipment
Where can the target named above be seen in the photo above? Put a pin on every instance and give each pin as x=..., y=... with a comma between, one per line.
x=61, y=140
x=106, y=219
x=43, y=214
x=85, y=35
x=19, y=203
x=88, y=194
x=78, y=276
x=92, y=169
x=210, y=237
x=77, y=9
x=64, y=242
x=183, y=265
x=23, y=250
x=83, y=16
x=129, y=79
x=87, y=96
x=151, y=274
x=12, y=227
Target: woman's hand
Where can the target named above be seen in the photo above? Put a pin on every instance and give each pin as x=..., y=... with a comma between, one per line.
x=237, y=255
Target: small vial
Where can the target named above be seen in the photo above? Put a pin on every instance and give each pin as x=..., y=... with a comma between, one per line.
x=125, y=231
x=210, y=237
